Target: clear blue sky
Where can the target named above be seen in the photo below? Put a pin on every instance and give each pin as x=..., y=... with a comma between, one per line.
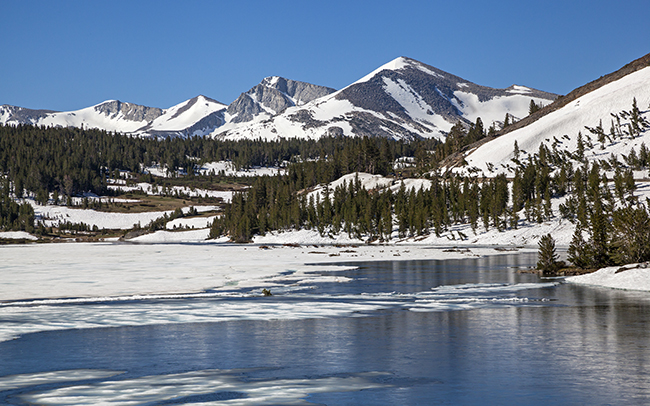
x=66, y=55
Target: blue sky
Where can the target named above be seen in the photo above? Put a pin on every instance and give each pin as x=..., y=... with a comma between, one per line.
x=72, y=54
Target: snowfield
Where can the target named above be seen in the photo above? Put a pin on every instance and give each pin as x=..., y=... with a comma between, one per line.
x=154, y=190
x=493, y=111
x=17, y=235
x=54, y=215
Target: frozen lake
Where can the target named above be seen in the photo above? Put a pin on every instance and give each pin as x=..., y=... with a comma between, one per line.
x=454, y=331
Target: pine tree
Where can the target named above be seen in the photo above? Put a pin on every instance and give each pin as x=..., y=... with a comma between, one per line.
x=515, y=153
x=533, y=107
x=547, y=257
x=599, y=235
x=631, y=239
x=636, y=120
x=580, y=149
x=506, y=121
x=579, y=253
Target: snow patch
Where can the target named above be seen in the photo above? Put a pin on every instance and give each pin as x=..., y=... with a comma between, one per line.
x=17, y=235
x=395, y=64
x=519, y=89
x=493, y=110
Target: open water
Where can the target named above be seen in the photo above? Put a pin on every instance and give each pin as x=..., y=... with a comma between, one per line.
x=451, y=332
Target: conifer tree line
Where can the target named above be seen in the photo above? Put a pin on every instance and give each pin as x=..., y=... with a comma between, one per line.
x=14, y=216
x=70, y=161
x=65, y=162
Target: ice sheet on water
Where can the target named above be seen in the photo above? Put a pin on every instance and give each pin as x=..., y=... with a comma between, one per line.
x=476, y=295
x=478, y=288
x=41, y=378
x=204, y=387
x=290, y=302
x=22, y=319
x=129, y=298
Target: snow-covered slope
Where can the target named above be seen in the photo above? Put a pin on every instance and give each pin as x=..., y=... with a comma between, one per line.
x=561, y=126
x=402, y=99
x=111, y=115
x=195, y=117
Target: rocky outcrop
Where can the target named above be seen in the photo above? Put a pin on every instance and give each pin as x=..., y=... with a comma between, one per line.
x=273, y=96
x=130, y=111
x=299, y=92
x=21, y=115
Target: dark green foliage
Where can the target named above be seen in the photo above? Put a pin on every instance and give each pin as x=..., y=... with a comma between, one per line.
x=457, y=140
x=547, y=261
x=534, y=107
x=14, y=216
x=579, y=253
x=631, y=235
x=71, y=161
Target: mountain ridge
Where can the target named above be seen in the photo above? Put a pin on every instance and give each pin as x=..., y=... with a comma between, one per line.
x=402, y=99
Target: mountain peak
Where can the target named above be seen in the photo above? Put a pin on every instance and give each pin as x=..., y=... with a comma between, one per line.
x=396, y=64
x=272, y=81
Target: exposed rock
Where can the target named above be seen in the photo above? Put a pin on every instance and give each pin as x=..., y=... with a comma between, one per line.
x=130, y=111
x=244, y=109
x=21, y=115
x=273, y=96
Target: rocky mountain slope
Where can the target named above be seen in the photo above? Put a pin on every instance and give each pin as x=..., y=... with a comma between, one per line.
x=273, y=96
x=403, y=99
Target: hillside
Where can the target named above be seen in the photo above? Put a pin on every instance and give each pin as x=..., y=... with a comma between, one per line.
x=558, y=125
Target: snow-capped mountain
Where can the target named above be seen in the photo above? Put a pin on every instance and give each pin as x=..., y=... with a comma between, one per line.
x=592, y=105
x=20, y=115
x=402, y=99
x=197, y=116
x=110, y=115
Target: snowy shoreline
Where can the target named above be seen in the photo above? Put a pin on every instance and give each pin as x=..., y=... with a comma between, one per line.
x=629, y=277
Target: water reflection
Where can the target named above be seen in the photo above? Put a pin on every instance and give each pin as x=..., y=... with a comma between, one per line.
x=579, y=345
